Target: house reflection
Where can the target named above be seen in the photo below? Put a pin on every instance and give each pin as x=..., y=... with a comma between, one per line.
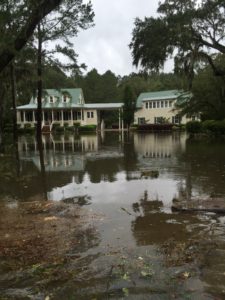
x=153, y=226
x=68, y=158
x=160, y=145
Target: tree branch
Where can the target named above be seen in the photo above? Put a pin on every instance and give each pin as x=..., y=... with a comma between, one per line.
x=45, y=7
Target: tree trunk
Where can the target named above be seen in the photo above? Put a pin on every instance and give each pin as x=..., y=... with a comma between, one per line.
x=13, y=88
x=2, y=96
x=39, y=83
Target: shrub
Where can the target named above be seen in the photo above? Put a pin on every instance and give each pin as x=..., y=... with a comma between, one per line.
x=76, y=124
x=215, y=127
x=87, y=128
x=8, y=128
x=194, y=127
x=57, y=127
x=155, y=127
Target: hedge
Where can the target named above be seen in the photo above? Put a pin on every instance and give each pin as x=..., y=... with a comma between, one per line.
x=209, y=126
x=87, y=128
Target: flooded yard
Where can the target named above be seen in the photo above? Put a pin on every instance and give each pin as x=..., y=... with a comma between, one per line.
x=96, y=222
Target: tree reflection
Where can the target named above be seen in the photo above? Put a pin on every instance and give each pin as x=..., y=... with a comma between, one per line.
x=42, y=165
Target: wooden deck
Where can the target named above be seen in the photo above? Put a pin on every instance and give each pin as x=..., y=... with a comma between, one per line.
x=215, y=205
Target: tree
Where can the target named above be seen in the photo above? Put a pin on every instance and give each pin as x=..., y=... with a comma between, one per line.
x=29, y=22
x=129, y=106
x=208, y=94
x=71, y=16
x=190, y=30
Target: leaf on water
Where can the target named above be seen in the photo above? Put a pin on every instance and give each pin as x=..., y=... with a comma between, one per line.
x=186, y=275
x=126, y=276
x=146, y=274
x=50, y=218
x=126, y=292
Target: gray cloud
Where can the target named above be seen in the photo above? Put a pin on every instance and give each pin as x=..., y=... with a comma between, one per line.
x=105, y=46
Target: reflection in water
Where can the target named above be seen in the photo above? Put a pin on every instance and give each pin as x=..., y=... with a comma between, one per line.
x=68, y=158
x=126, y=184
x=153, y=226
x=42, y=166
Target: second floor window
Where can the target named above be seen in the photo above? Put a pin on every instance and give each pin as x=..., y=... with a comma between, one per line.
x=51, y=99
x=64, y=98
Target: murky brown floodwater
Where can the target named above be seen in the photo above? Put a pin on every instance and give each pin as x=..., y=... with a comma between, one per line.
x=106, y=230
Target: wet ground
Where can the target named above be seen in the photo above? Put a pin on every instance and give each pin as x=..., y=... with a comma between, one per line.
x=96, y=221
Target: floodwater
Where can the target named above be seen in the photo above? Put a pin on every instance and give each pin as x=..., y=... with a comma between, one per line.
x=94, y=220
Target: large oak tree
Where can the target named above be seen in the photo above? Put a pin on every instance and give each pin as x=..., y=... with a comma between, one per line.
x=188, y=30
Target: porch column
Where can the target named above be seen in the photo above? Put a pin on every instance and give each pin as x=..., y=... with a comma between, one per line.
x=71, y=112
x=43, y=118
x=119, y=120
x=122, y=122
x=24, y=117
x=62, y=118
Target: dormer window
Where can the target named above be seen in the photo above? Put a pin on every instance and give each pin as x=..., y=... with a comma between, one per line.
x=51, y=99
x=65, y=98
x=80, y=100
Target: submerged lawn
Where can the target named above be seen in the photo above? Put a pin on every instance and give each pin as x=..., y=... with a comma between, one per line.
x=106, y=230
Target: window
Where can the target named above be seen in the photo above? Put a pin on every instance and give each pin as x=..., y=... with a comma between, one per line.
x=21, y=116
x=66, y=116
x=170, y=103
x=162, y=104
x=64, y=98
x=146, y=105
x=92, y=114
x=166, y=103
x=154, y=104
x=29, y=116
x=51, y=99
x=141, y=121
x=78, y=115
x=150, y=104
x=158, y=104
x=176, y=119
x=158, y=120
x=88, y=114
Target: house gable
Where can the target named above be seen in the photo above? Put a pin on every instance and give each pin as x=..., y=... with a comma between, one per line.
x=60, y=98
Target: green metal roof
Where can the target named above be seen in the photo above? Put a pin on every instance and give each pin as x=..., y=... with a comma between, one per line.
x=75, y=96
x=161, y=95
x=104, y=106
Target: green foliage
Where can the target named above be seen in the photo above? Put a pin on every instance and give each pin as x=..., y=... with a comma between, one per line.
x=98, y=88
x=129, y=106
x=87, y=128
x=215, y=127
x=194, y=127
x=150, y=43
x=208, y=94
x=186, y=29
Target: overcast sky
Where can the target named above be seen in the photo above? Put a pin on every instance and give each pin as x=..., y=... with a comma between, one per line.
x=105, y=46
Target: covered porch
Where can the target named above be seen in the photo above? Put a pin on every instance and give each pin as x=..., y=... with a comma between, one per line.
x=87, y=114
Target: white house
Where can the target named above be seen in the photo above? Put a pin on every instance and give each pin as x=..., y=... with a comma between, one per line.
x=66, y=106
x=159, y=107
